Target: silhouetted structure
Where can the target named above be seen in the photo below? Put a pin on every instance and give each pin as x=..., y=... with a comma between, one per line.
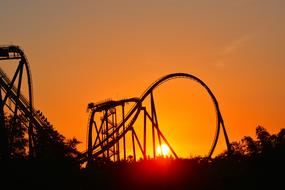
x=14, y=103
x=109, y=133
x=247, y=164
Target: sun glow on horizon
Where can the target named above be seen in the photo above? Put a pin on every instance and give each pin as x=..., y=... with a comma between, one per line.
x=162, y=150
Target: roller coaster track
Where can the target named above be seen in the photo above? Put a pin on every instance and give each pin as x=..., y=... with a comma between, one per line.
x=38, y=119
x=103, y=143
x=108, y=138
x=21, y=105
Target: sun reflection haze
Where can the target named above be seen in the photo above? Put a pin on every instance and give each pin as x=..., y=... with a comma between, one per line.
x=162, y=150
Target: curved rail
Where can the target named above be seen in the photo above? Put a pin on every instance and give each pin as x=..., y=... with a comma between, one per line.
x=196, y=79
x=134, y=112
x=15, y=52
x=13, y=92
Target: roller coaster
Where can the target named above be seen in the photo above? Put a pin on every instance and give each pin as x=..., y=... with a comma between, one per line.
x=15, y=103
x=110, y=123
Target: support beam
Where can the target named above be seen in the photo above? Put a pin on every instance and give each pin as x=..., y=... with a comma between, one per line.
x=134, y=146
x=107, y=131
x=124, y=137
x=138, y=141
x=144, y=133
x=167, y=143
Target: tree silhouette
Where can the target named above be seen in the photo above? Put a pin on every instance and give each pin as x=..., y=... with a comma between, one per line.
x=17, y=138
x=264, y=144
x=49, y=144
x=52, y=146
x=265, y=141
x=254, y=164
x=281, y=139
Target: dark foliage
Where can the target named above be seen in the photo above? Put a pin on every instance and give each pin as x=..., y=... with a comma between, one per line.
x=254, y=164
x=51, y=145
x=17, y=139
x=54, y=164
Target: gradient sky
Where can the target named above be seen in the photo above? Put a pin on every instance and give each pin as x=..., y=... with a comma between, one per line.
x=88, y=51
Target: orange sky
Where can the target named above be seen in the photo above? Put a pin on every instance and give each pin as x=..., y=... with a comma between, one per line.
x=93, y=50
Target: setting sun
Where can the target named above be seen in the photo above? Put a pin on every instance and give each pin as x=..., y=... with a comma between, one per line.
x=162, y=150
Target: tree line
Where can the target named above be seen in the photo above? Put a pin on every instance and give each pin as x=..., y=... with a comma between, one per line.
x=253, y=163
